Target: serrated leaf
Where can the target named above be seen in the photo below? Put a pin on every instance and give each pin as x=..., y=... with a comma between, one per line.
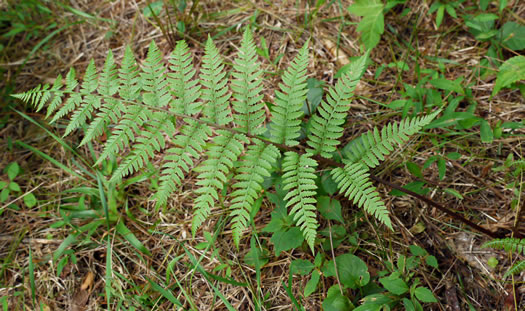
x=513, y=36
x=394, y=284
x=511, y=71
x=372, y=25
x=301, y=267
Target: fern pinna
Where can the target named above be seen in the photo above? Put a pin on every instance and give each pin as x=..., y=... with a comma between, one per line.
x=175, y=113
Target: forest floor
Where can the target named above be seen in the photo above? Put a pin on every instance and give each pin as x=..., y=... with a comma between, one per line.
x=473, y=178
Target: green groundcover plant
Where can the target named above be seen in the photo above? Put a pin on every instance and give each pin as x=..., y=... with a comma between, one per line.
x=171, y=112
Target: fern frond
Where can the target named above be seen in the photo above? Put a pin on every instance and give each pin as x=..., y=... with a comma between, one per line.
x=508, y=244
x=299, y=180
x=286, y=114
x=326, y=126
x=189, y=144
x=130, y=84
x=89, y=101
x=153, y=78
x=247, y=87
x=111, y=108
x=124, y=132
x=517, y=268
x=185, y=90
x=372, y=147
x=215, y=92
x=255, y=165
x=353, y=181
x=72, y=102
x=222, y=155
x=37, y=96
x=151, y=140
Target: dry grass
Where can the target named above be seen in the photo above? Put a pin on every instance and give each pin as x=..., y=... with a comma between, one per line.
x=464, y=278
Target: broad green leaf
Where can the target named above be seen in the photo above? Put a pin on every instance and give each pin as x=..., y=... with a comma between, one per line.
x=513, y=36
x=511, y=71
x=335, y=301
x=287, y=240
x=131, y=238
x=424, y=294
x=330, y=209
x=301, y=267
x=352, y=271
x=394, y=284
x=314, y=96
x=432, y=261
x=417, y=251
x=153, y=9
x=255, y=258
x=372, y=25
x=12, y=170
x=30, y=200
x=487, y=136
x=311, y=286
x=374, y=302
x=13, y=186
x=447, y=85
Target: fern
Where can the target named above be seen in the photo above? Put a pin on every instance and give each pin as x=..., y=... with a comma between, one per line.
x=353, y=181
x=247, y=87
x=510, y=245
x=299, y=181
x=138, y=109
x=213, y=173
x=326, y=124
x=215, y=92
x=256, y=165
x=371, y=147
x=287, y=113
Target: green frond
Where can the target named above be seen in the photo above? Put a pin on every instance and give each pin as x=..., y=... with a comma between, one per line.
x=517, y=268
x=286, y=120
x=185, y=90
x=89, y=102
x=39, y=96
x=353, y=181
x=326, y=125
x=247, y=87
x=130, y=84
x=255, y=165
x=153, y=78
x=215, y=91
x=150, y=140
x=508, y=244
x=124, y=132
x=299, y=180
x=111, y=108
x=372, y=147
x=189, y=144
x=72, y=102
x=222, y=155
x=57, y=95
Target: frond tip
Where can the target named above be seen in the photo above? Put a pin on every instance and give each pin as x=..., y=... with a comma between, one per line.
x=299, y=180
x=353, y=181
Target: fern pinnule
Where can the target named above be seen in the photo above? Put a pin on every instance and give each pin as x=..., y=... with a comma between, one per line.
x=286, y=120
x=247, y=87
x=221, y=156
x=189, y=144
x=185, y=89
x=371, y=147
x=299, y=180
x=215, y=91
x=111, y=108
x=255, y=165
x=353, y=181
x=326, y=125
x=151, y=140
